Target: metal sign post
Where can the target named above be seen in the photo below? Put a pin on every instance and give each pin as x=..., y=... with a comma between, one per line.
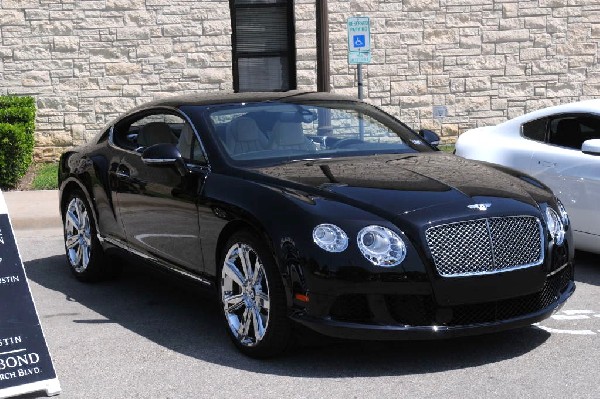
x=359, y=52
x=359, y=46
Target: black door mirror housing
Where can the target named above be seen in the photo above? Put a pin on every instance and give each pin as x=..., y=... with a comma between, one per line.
x=164, y=154
x=430, y=136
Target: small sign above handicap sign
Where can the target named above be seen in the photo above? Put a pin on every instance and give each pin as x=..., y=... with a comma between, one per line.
x=359, y=40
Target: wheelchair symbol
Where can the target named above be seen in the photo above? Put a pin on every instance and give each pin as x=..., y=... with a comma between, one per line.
x=359, y=41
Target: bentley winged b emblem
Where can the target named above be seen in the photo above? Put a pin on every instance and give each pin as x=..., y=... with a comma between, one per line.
x=481, y=207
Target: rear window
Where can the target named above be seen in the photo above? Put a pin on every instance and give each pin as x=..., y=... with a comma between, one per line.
x=535, y=130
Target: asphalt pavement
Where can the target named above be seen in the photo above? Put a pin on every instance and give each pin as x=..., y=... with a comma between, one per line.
x=145, y=335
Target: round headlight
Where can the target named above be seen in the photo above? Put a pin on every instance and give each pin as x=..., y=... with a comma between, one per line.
x=555, y=226
x=381, y=246
x=330, y=238
x=563, y=213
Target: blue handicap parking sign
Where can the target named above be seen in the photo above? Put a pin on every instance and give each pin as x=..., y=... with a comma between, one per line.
x=359, y=41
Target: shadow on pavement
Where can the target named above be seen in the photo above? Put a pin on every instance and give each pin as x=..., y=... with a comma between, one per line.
x=185, y=319
x=587, y=268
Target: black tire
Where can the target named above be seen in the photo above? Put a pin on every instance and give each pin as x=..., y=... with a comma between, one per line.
x=85, y=255
x=273, y=325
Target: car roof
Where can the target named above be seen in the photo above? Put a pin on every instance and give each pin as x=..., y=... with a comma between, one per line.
x=591, y=106
x=224, y=98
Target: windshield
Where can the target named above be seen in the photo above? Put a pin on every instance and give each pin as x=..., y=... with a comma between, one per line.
x=271, y=131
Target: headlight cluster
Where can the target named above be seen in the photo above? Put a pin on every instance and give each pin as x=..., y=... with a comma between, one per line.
x=379, y=245
x=564, y=217
x=555, y=226
x=330, y=237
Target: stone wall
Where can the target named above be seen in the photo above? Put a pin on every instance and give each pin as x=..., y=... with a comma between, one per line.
x=485, y=60
x=85, y=61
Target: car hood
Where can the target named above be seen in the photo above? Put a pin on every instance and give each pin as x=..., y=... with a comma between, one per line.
x=403, y=183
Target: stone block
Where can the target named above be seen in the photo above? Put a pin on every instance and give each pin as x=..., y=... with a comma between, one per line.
x=422, y=52
x=35, y=79
x=113, y=104
x=409, y=88
x=529, y=54
x=421, y=5
x=341, y=81
x=133, y=33
x=66, y=44
x=11, y=17
x=463, y=20
x=518, y=35
x=479, y=83
x=122, y=68
x=438, y=36
x=31, y=52
x=125, y=4
x=563, y=89
x=20, y=4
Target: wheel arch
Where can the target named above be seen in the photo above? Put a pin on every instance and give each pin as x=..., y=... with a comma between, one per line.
x=240, y=224
x=69, y=186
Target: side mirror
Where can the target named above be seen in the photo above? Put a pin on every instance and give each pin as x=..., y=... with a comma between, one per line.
x=164, y=154
x=591, y=147
x=430, y=136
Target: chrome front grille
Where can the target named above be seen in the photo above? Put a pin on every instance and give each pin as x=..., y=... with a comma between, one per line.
x=485, y=246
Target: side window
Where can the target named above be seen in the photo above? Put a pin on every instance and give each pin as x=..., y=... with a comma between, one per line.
x=189, y=146
x=566, y=131
x=590, y=127
x=155, y=127
x=146, y=129
x=535, y=130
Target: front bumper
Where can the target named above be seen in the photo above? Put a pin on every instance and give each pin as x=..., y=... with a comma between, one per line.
x=430, y=321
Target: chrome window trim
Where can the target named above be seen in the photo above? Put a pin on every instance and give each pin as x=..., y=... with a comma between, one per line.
x=160, y=160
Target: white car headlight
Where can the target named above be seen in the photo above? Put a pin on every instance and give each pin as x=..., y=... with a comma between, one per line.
x=555, y=226
x=381, y=246
x=330, y=237
x=563, y=213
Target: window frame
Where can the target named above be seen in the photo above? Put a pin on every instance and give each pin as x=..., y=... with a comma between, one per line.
x=128, y=120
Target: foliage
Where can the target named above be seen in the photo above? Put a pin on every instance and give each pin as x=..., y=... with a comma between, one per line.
x=45, y=177
x=449, y=148
x=17, y=127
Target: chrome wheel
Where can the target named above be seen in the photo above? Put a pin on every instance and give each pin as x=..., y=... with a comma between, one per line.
x=245, y=294
x=78, y=235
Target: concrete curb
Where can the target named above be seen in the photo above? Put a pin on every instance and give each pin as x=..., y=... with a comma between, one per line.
x=30, y=210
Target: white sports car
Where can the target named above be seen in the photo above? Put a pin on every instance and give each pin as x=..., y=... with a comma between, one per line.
x=560, y=146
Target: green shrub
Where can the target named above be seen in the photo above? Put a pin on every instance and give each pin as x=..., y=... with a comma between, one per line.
x=17, y=127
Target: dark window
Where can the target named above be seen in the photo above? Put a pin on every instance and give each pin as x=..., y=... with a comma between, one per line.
x=535, y=130
x=572, y=130
x=263, y=41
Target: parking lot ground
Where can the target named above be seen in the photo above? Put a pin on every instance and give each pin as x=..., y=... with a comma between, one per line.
x=148, y=335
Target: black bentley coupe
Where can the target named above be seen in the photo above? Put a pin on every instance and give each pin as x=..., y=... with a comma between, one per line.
x=316, y=209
